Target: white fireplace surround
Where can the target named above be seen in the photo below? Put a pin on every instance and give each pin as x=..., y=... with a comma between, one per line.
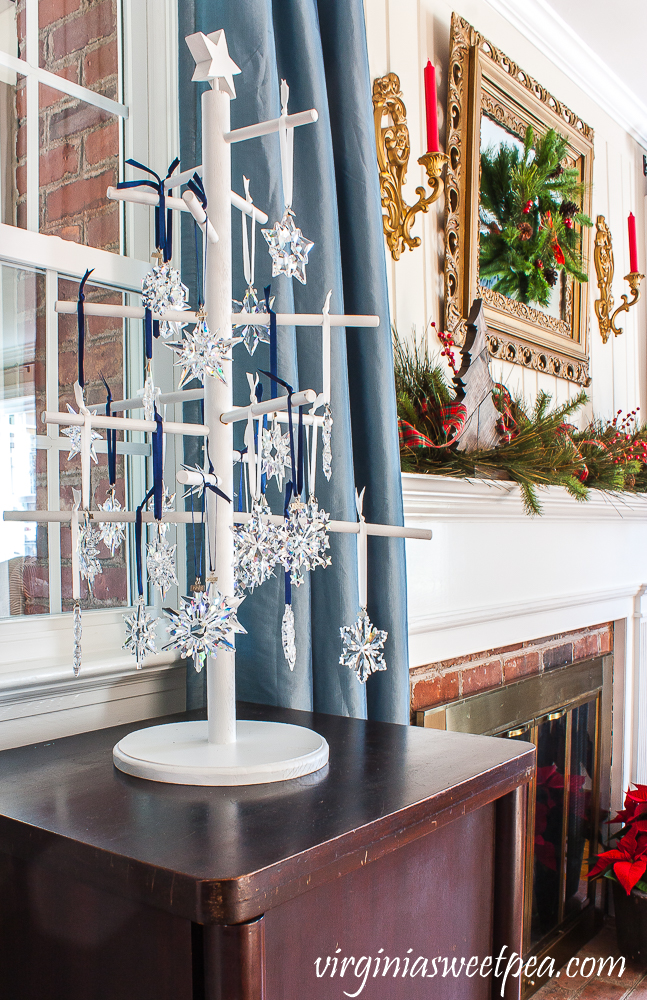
x=492, y=576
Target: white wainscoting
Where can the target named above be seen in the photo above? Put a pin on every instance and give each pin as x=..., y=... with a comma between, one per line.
x=492, y=576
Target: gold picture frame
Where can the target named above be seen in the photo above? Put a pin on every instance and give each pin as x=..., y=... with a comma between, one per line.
x=484, y=81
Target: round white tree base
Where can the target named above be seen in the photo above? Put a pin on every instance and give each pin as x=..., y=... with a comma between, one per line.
x=180, y=753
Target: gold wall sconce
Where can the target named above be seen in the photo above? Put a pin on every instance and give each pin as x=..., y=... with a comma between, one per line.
x=604, y=267
x=393, y=149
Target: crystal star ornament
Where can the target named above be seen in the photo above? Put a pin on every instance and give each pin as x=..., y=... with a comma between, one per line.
x=140, y=632
x=203, y=624
x=289, y=248
x=201, y=353
x=111, y=533
x=212, y=60
x=74, y=434
x=304, y=540
x=76, y=637
x=252, y=334
x=362, y=646
x=162, y=289
x=326, y=442
x=88, y=550
x=275, y=453
x=256, y=545
x=160, y=564
x=288, y=636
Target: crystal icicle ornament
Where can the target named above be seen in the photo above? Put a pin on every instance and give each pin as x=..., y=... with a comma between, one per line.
x=289, y=248
x=326, y=442
x=288, y=636
x=140, y=632
x=111, y=533
x=275, y=453
x=201, y=353
x=162, y=289
x=304, y=539
x=89, y=565
x=253, y=333
x=362, y=646
x=160, y=564
x=149, y=394
x=256, y=545
x=203, y=624
x=74, y=434
x=76, y=636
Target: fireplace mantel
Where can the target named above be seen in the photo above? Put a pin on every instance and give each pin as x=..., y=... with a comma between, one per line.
x=492, y=575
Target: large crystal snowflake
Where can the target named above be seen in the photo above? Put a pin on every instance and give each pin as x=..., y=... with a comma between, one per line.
x=201, y=353
x=253, y=333
x=88, y=550
x=111, y=533
x=304, y=539
x=74, y=434
x=203, y=624
x=76, y=636
x=160, y=564
x=362, y=646
x=140, y=632
x=162, y=289
x=326, y=442
x=289, y=248
x=256, y=546
x=275, y=453
x=288, y=636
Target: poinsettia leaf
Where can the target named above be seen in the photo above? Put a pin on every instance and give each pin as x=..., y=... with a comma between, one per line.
x=628, y=872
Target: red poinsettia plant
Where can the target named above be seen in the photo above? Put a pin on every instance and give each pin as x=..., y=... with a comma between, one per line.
x=627, y=861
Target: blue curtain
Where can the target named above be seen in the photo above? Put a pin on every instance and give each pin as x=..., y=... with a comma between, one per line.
x=320, y=49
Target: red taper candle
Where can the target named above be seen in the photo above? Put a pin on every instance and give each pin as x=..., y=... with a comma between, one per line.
x=633, y=246
x=431, y=104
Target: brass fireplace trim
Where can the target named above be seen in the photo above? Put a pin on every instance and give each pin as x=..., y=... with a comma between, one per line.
x=520, y=703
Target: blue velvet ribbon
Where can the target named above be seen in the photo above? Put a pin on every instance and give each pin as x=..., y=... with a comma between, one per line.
x=151, y=329
x=80, y=320
x=138, y=540
x=158, y=474
x=274, y=366
x=163, y=217
x=111, y=439
x=241, y=483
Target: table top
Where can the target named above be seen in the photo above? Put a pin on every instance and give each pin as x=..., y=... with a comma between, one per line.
x=226, y=854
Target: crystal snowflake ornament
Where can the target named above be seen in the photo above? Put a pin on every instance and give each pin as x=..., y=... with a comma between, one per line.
x=288, y=636
x=289, y=248
x=304, y=539
x=168, y=506
x=88, y=550
x=275, y=453
x=160, y=564
x=253, y=333
x=201, y=353
x=203, y=624
x=162, y=289
x=326, y=442
x=111, y=533
x=362, y=646
x=76, y=636
x=140, y=632
x=74, y=434
x=256, y=546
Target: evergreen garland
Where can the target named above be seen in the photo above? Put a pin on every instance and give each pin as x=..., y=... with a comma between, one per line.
x=528, y=217
x=539, y=447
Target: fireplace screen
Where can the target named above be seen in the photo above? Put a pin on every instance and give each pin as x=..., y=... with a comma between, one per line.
x=563, y=713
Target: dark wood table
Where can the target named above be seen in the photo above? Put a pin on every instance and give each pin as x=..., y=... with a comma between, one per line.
x=408, y=845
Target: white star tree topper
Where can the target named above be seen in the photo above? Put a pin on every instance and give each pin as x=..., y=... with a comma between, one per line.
x=212, y=60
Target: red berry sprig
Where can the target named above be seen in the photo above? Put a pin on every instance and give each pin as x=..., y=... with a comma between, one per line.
x=447, y=341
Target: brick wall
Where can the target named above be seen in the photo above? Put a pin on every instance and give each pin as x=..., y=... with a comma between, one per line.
x=79, y=144
x=449, y=680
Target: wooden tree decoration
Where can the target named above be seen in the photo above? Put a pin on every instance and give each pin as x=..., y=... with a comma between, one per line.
x=474, y=386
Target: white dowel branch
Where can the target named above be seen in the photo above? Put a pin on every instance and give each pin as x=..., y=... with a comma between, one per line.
x=99, y=421
x=274, y=405
x=124, y=312
x=137, y=197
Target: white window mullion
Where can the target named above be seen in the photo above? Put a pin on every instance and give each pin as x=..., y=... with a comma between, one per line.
x=53, y=462
x=31, y=84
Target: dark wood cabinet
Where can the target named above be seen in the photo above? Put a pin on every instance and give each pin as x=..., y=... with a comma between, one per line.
x=407, y=846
